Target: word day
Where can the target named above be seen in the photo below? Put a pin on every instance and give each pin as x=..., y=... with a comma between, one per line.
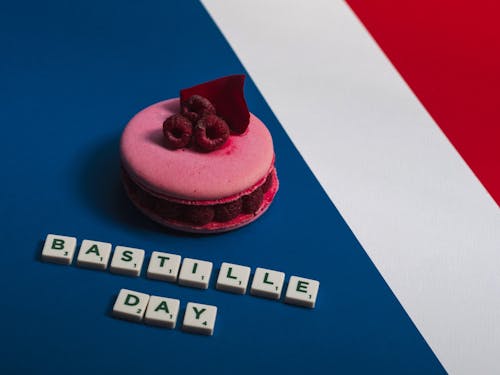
x=189, y=272
x=163, y=312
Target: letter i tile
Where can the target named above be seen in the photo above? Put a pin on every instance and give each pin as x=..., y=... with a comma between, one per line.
x=195, y=273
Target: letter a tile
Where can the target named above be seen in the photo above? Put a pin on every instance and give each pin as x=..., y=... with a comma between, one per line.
x=94, y=254
x=162, y=312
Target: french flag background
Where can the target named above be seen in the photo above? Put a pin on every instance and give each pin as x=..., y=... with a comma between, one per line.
x=385, y=118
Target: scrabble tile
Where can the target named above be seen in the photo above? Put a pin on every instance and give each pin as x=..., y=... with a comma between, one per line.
x=94, y=254
x=130, y=305
x=199, y=318
x=267, y=283
x=302, y=291
x=233, y=278
x=127, y=261
x=162, y=312
x=164, y=266
x=59, y=249
x=195, y=273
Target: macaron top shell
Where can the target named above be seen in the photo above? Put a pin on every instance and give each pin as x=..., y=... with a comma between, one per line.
x=189, y=174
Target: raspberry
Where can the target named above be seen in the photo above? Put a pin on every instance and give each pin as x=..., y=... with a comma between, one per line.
x=199, y=215
x=168, y=209
x=228, y=211
x=196, y=107
x=177, y=131
x=210, y=132
x=191, y=116
x=252, y=201
x=268, y=183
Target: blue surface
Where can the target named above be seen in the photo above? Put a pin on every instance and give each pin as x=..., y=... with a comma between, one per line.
x=72, y=74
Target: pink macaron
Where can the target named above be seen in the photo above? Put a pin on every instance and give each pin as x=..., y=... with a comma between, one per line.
x=195, y=191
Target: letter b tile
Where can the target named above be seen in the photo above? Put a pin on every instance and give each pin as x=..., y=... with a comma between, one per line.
x=59, y=249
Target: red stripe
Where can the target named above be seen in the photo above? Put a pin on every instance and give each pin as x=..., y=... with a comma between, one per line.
x=449, y=54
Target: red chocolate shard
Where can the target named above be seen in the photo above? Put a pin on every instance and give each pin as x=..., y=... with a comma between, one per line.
x=226, y=94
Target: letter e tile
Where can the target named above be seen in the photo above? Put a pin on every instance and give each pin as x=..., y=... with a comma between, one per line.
x=302, y=291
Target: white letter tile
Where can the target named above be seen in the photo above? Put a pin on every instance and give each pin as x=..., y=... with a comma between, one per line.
x=127, y=261
x=94, y=254
x=164, y=266
x=59, y=249
x=199, y=318
x=267, y=283
x=233, y=278
x=162, y=312
x=130, y=305
x=195, y=273
x=302, y=291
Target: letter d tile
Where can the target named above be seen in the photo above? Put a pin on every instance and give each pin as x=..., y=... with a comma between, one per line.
x=130, y=305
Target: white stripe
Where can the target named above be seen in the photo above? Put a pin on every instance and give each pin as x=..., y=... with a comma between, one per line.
x=419, y=212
